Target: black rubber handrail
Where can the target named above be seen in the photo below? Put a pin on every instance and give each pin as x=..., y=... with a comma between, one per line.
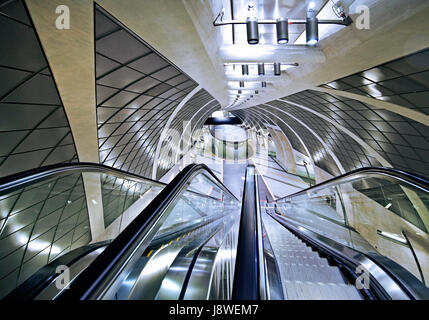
x=395, y=173
x=21, y=179
x=246, y=272
x=25, y=178
x=99, y=274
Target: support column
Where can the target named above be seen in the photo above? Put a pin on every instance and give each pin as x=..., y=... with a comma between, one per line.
x=94, y=202
x=70, y=54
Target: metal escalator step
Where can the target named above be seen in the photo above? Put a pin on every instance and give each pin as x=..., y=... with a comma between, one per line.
x=305, y=274
x=311, y=271
x=302, y=257
x=299, y=290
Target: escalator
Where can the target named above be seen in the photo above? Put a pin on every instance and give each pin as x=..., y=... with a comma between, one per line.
x=87, y=232
x=362, y=235
x=304, y=273
x=156, y=241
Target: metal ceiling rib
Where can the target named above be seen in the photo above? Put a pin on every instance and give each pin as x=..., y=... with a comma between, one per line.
x=137, y=91
x=34, y=130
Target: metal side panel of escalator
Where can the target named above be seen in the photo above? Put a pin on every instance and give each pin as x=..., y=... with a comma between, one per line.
x=181, y=246
x=62, y=216
x=63, y=222
x=360, y=235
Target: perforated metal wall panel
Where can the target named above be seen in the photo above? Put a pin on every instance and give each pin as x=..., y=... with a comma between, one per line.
x=34, y=130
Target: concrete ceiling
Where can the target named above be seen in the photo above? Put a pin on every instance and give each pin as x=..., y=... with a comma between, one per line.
x=167, y=27
x=183, y=31
x=398, y=25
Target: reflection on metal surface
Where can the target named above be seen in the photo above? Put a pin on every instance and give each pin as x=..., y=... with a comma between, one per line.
x=49, y=213
x=393, y=237
x=369, y=210
x=274, y=284
x=51, y=291
x=381, y=278
x=163, y=263
x=147, y=284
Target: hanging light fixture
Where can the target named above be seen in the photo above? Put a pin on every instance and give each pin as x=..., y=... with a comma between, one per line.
x=282, y=30
x=256, y=91
x=241, y=84
x=264, y=84
x=277, y=69
x=252, y=30
x=312, y=30
x=245, y=70
x=261, y=69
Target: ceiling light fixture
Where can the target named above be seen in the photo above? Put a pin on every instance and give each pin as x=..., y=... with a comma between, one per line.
x=311, y=23
x=277, y=68
x=261, y=69
x=245, y=70
x=282, y=30
x=252, y=30
x=241, y=84
x=312, y=29
x=264, y=84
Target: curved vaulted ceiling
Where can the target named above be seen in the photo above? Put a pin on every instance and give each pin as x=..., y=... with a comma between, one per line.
x=137, y=91
x=139, y=94
x=34, y=130
x=150, y=70
x=358, y=133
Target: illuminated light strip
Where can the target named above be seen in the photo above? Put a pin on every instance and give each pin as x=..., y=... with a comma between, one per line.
x=265, y=182
x=393, y=236
x=150, y=252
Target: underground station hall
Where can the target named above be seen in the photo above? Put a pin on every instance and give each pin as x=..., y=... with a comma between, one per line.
x=214, y=150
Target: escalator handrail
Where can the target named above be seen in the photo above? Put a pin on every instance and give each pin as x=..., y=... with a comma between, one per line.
x=23, y=178
x=19, y=180
x=410, y=178
x=386, y=279
x=248, y=274
x=95, y=279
